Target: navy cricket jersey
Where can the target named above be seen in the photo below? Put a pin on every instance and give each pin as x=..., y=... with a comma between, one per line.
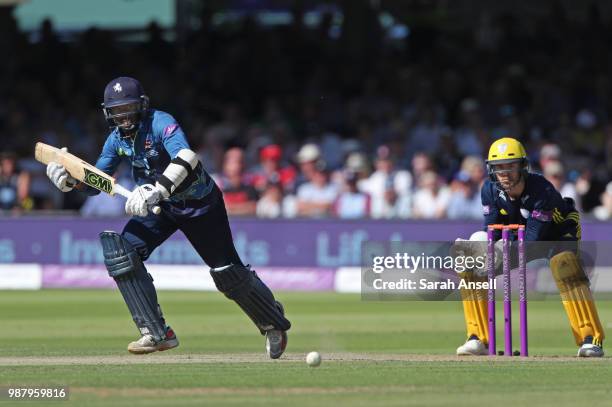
x=541, y=208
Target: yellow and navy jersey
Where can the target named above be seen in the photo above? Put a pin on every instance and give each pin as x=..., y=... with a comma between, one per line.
x=547, y=216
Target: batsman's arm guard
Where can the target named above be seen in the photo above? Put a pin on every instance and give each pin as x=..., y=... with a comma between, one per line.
x=125, y=266
x=179, y=173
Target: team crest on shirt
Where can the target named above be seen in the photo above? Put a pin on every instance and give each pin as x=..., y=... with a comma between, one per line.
x=149, y=150
x=151, y=153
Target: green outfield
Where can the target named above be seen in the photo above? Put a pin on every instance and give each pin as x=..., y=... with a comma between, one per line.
x=375, y=354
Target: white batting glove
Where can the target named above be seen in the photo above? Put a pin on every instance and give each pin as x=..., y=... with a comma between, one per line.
x=141, y=199
x=60, y=177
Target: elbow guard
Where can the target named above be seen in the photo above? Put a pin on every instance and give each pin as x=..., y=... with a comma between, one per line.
x=179, y=169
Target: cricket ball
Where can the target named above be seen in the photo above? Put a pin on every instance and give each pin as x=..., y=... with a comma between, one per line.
x=313, y=359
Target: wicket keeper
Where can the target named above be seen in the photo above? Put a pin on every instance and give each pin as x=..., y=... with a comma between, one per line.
x=514, y=195
x=169, y=175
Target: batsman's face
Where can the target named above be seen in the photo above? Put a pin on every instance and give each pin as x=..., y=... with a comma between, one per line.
x=125, y=116
x=508, y=175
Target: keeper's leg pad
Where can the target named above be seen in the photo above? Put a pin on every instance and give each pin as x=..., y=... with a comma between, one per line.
x=241, y=284
x=475, y=308
x=576, y=296
x=125, y=266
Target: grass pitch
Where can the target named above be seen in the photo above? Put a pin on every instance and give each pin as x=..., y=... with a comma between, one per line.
x=374, y=354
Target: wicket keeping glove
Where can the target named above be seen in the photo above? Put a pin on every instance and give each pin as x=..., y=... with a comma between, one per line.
x=474, y=249
x=60, y=177
x=141, y=199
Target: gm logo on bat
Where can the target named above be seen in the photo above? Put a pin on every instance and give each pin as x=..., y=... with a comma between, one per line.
x=98, y=181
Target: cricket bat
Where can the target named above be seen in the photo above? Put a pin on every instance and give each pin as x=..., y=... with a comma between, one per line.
x=82, y=171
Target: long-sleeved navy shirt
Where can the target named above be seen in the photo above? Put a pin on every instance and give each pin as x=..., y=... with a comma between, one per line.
x=541, y=208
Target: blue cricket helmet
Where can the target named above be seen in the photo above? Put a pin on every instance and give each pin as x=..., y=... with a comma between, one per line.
x=125, y=104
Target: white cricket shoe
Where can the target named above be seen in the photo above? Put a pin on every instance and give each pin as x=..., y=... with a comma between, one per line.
x=472, y=347
x=588, y=350
x=146, y=344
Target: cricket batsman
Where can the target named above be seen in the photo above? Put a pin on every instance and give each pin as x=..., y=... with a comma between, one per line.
x=169, y=175
x=514, y=195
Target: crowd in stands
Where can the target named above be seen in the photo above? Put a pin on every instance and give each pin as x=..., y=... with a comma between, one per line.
x=294, y=122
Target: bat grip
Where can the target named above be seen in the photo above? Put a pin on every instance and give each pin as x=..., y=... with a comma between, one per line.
x=156, y=209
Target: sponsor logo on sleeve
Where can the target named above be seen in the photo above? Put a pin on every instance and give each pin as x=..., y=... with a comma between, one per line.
x=486, y=209
x=543, y=216
x=170, y=129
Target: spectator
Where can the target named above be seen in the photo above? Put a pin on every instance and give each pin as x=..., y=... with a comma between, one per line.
x=431, y=197
x=603, y=212
x=464, y=202
x=351, y=203
x=474, y=167
x=14, y=185
x=270, y=168
x=358, y=163
x=589, y=188
x=308, y=158
x=554, y=173
x=239, y=194
x=388, y=187
x=316, y=197
x=549, y=152
x=421, y=163
x=270, y=205
x=231, y=96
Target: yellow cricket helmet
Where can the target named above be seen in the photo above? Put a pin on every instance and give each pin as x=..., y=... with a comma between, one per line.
x=504, y=151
